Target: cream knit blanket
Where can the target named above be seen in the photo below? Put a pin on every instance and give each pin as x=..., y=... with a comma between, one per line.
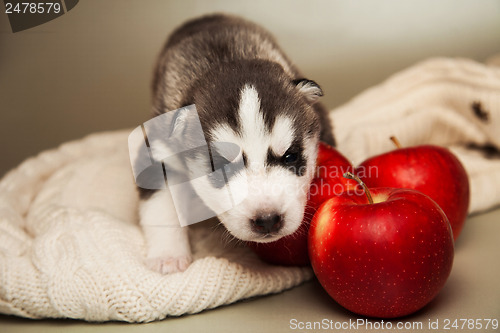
x=448, y=102
x=70, y=245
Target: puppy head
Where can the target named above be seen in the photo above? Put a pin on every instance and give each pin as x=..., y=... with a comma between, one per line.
x=270, y=118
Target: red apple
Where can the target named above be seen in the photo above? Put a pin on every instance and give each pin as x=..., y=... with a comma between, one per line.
x=383, y=259
x=328, y=181
x=432, y=170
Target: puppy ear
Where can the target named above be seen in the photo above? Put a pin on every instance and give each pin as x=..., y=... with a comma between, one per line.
x=310, y=89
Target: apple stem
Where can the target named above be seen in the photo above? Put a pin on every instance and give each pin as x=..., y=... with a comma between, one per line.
x=396, y=142
x=349, y=175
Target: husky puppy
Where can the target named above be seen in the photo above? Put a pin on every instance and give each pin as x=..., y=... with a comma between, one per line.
x=246, y=92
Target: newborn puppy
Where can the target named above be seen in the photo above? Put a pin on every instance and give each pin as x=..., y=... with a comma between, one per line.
x=248, y=93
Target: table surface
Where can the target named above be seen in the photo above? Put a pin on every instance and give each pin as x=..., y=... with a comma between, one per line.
x=472, y=292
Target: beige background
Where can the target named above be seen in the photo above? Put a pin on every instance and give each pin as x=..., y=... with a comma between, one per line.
x=90, y=69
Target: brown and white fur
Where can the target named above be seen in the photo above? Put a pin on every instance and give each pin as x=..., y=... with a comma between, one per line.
x=246, y=92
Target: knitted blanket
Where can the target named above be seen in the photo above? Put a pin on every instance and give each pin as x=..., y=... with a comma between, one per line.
x=447, y=102
x=70, y=246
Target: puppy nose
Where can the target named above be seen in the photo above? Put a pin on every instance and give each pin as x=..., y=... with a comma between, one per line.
x=267, y=223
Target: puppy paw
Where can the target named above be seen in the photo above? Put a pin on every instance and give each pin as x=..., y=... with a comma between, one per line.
x=167, y=265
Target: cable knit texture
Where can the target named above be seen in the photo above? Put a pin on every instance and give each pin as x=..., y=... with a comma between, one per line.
x=434, y=102
x=70, y=246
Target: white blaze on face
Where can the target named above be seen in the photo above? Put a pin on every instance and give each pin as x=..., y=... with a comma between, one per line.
x=274, y=189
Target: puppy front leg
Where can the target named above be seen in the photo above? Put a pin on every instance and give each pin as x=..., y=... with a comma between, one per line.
x=167, y=242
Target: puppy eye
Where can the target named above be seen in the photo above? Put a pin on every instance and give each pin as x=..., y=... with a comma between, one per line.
x=290, y=157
